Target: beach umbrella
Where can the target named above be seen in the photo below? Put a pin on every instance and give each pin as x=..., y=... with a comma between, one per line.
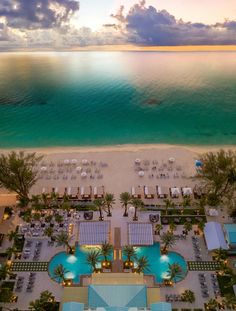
x=78, y=168
x=43, y=168
x=137, y=161
x=171, y=160
x=198, y=163
x=141, y=173
x=73, y=161
x=84, y=161
x=83, y=174
x=66, y=161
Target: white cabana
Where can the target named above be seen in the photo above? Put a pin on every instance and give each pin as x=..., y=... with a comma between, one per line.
x=175, y=192
x=85, y=192
x=171, y=160
x=94, y=233
x=187, y=191
x=162, y=192
x=73, y=161
x=214, y=236
x=136, y=192
x=98, y=192
x=140, y=234
x=66, y=161
x=149, y=192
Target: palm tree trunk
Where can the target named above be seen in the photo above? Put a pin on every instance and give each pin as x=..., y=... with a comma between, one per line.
x=126, y=212
x=100, y=212
x=108, y=211
x=135, y=214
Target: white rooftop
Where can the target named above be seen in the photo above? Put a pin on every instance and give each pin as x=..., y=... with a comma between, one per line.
x=214, y=236
x=140, y=234
x=94, y=232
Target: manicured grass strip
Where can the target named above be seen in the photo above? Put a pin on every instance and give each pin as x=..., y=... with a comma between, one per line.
x=18, y=266
x=203, y=266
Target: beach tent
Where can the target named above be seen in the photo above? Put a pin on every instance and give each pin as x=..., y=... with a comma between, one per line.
x=214, y=236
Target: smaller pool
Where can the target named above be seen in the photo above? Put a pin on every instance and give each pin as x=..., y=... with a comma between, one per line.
x=76, y=264
x=159, y=264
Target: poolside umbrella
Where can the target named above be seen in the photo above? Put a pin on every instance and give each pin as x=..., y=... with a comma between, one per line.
x=83, y=174
x=74, y=161
x=43, y=168
x=171, y=160
x=141, y=173
x=66, y=161
x=84, y=161
x=78, y=168
x=137, y=161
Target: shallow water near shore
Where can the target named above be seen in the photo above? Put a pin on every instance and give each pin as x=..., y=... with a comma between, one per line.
x=110, y=98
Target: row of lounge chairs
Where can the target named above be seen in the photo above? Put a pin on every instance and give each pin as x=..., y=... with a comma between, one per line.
x=173, y=297
x=76, y=193
x=196, y=248
x=150, y=192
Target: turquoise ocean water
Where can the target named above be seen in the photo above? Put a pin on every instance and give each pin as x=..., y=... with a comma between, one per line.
x=108, y=98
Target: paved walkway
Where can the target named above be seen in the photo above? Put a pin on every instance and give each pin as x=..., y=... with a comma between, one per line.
x=117, y=264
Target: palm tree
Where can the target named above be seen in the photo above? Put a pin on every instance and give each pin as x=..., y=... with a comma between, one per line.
x=63, y=239
x=5, y=271
x=220, y=254
x=201, y=225
x=174, y=272
x=172, y=227
x=49, y=232
x=12, y=235
x=106, y=250
x=93, y=258
x=59, y=273
x=142, y=264
x=109, y=200
x=211, y=305
x=45, y=302
x=58, y=218
x=168, y=204
x=168, y=239
x=46, y=199
x=99, y=205
x=158, y=228
x=188, y=226
x=130, y=252
x=137, y=204
x=188, y=296
x=54, y=199
x=229, y=301
x=11, y=251
x=125, y=199
x=186, y=202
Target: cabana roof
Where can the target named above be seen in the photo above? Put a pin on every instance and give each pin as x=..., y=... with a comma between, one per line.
x=140, y=234
x=94, y=233
x=214, y=236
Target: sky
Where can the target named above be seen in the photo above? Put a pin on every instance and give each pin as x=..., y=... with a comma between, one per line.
x=67, y=24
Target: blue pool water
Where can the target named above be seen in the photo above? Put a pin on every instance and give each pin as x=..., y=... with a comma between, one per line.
x=158, y=264
x=102, y=98
x=75, y=264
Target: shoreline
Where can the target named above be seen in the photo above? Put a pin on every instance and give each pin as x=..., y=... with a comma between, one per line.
x=118, y=148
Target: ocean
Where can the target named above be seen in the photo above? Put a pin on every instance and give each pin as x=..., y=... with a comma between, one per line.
x=110, y=98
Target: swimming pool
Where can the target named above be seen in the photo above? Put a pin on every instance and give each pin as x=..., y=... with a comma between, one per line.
x=76, y=264
x=158, y=264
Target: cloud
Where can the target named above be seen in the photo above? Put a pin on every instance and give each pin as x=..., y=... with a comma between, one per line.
x=148, y=26
x=3, y=32
x=37, y=14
